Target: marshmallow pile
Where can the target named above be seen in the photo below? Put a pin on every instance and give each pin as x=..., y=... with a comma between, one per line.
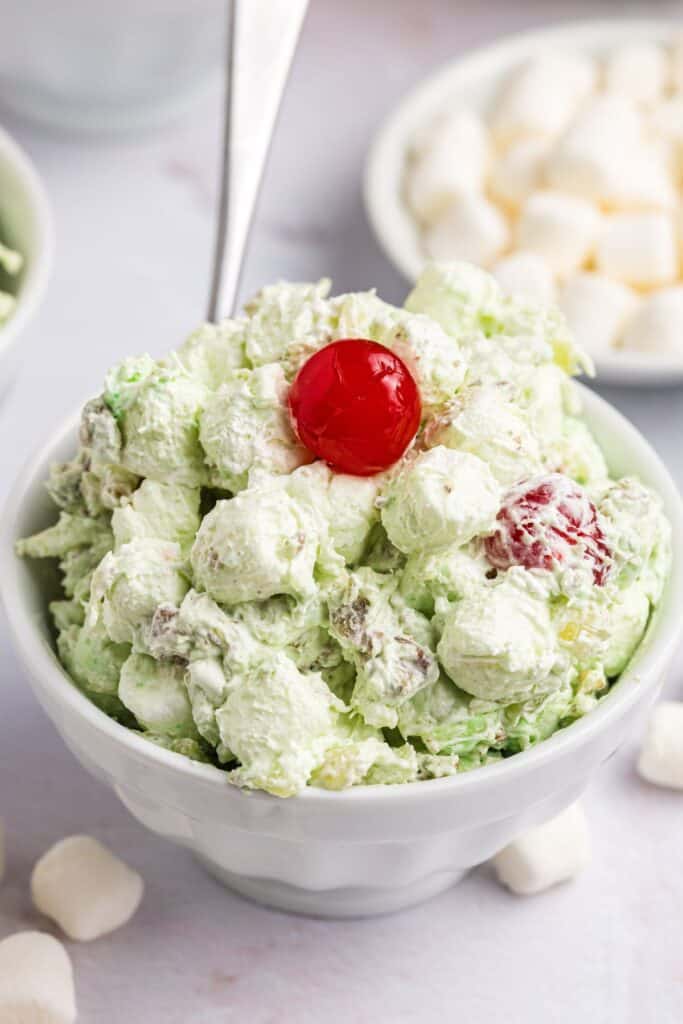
x=87, y=892
x=570, y=191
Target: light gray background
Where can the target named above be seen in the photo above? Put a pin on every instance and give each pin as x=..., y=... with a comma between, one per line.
x=133, y=220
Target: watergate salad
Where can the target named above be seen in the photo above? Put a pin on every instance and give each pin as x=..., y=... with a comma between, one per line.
x=334, y=543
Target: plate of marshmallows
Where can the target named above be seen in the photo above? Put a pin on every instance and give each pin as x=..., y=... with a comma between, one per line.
x=555, y=160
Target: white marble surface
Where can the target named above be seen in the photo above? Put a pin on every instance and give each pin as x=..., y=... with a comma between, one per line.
x=134, y=232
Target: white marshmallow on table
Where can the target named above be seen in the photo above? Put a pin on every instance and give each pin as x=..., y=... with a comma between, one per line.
x=661, y=756
x=542, y=96
x=36, y=981
x=596, y=308
x=451, y=159
x=472, y=229
x=640, y=249
x=518, y=172
x=82, y=886
x=546, y=855
x=561, y=229
x=526, y=274
x=658, y=324
x=639, y=71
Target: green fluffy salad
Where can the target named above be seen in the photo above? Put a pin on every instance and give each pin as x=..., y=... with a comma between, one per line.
x=235, y=601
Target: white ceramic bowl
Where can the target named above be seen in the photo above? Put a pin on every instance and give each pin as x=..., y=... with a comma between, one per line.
x=474, y=80
x=105, y=67
x=363, y=851
x=26, y=226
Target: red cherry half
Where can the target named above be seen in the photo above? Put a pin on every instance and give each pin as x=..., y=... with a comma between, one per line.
x=547, y=522
x=356, y=405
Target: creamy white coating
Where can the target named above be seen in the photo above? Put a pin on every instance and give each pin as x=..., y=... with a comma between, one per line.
x=244, y=426
x=485, y=421
x=497, y=643
x=443, y=496
x=129, y=585
x=347, y=504
x=278, y=722
x=156, y=693
x=255, y=545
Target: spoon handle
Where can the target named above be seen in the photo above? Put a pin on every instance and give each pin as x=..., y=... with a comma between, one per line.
x=261, y=40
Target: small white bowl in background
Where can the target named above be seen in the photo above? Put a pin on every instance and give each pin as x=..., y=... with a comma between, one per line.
x=107, y=67
x=361, y=851
x=474, y=81
x=25, y=225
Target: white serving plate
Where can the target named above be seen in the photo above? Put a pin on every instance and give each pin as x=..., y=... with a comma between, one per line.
x=361, y=851
x=474, y=81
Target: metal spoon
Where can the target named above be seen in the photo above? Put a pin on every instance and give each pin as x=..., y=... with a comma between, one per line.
x=261, y=40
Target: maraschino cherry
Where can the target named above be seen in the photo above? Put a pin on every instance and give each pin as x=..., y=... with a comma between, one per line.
x=548, y=522
x=356, y=405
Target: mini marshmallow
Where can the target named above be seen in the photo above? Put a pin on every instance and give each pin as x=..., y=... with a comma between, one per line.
x=661, y=756
x=546, y=855
x=36, y=980
x=638, y=71
x=472, y=229
x=82, y=886
x=605, y=117
x=639, y=249
x=666, y=125
x=645, y=181
x=677, y=65
x=561, y=229
x=602, y=157
x=518, y=172
x=542, y=96
x=527, y=275
x=658, y=324
x=596, y=309
x=451, y=160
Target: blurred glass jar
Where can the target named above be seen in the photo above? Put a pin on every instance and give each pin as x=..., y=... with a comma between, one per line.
x=107, y=65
